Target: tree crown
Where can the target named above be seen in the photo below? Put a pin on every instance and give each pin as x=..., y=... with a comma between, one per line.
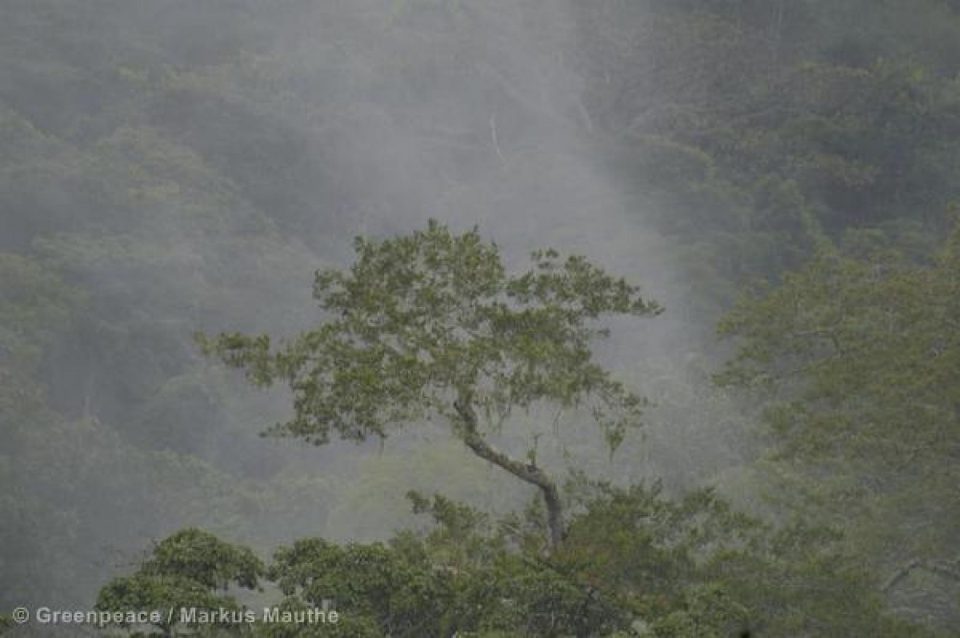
x=423, y=323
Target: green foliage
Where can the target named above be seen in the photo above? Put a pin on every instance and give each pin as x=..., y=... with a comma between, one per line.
x=862, y=351
x=191, y=569
x=35, y=304
x=419, y=321
x=201, y=557
x=634, y=563
x=854, y=360
x=764, y=126
x=399, y=593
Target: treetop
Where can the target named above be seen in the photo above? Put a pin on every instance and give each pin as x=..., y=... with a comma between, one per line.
x=422, y=321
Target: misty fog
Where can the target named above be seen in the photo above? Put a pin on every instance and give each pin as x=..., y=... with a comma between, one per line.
x=172, y=168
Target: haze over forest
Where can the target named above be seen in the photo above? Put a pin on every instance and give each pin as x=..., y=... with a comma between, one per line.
x=783, y=178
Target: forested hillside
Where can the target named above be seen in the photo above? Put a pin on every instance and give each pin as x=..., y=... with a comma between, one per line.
x=778, y=395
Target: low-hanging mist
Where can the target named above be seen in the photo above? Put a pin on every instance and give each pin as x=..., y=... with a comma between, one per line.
x=173, y=168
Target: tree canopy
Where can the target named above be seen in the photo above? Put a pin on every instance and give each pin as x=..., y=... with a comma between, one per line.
x=432, y=325
x=854, y=362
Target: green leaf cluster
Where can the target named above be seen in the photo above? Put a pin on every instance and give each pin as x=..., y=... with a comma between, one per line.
x=853, y=363
x=422, y=321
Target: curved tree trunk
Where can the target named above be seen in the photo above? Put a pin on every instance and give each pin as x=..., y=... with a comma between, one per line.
x=523, y=471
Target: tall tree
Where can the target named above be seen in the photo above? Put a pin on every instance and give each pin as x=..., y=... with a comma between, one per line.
x=431, y=324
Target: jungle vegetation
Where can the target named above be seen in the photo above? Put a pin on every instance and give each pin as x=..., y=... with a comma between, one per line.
x=727, y=232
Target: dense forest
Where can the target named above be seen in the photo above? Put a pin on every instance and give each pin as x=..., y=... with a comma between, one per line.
x=480, y=318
